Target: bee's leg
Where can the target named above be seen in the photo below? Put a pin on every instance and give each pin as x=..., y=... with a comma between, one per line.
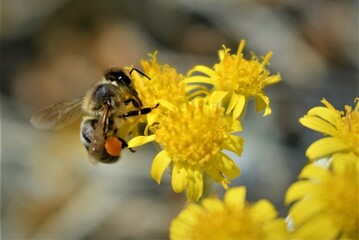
x=125, y=145
x=136, y=102
x=141, y=111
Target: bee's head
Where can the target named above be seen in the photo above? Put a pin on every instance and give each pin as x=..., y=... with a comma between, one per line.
x=126, y=89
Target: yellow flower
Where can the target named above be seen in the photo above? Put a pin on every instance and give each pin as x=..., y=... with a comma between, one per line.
x=192, y=137
x=232, y=218
x=166, y=86
x=342, y=130
x=235, y=80
x=326, y=203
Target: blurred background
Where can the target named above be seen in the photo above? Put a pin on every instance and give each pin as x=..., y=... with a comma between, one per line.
x=53, y=51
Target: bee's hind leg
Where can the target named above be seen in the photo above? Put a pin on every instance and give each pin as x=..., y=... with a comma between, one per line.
x=125, y=145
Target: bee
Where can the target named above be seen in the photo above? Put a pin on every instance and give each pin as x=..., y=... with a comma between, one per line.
x=114, y=97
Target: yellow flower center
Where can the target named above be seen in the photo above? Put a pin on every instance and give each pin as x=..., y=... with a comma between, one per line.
x=341, y=196
x=194, y=133
x=225, y=224
x=245, y=77
x=348, y=128
x=165, y=84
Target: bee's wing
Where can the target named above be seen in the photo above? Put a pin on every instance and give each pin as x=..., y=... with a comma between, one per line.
x=58, y=115
x=97, y=146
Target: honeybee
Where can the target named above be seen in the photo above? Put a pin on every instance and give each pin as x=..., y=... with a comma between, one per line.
x=114, y=97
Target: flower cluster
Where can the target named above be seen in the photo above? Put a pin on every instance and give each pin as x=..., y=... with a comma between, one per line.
x=198, y=118
x=194, y=124
x=325, y=199
x=197, y=121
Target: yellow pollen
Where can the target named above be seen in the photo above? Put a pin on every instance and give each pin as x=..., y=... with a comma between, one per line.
x=165, y=84
x=246, y=77
x=341, y=200
x=226, y=224
x=348, y=128
x=194, y=133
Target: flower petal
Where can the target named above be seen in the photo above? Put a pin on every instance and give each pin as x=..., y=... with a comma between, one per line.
x=140, y=140
x=232, y=102
x=328, y=105
x=275, y=229
x=266, y=59
x=262, y=104
x=236, y=126
x=226, y=165
x=235, y=198
x=272, y=80
x=318, y=124
x=240, y=47
x=151, y=119
x=159, y=165
x=202, y=69
x=235, y=144
x=179, y=178
x=325, y=146
x=305, y=209
x=192, y=210
x=181, y=225
x=196, y=89
x=319, y=227
x=264, y=210
x=217, y=96
x=195, y=184
x=325, y=114
x=238, y=109
x=212, y=205
x=216, y=175
x=342, y=160
x=199, y=79
x=298, y=190
x=167, y=104
x=125, y=127
x=314, y=172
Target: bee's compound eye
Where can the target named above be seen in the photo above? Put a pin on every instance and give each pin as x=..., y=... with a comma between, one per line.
x=113, y=146
x=115, y=75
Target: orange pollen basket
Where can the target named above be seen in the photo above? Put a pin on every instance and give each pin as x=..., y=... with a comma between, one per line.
x=113, y=146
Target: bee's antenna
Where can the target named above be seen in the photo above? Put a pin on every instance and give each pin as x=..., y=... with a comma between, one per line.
x=135, y=69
